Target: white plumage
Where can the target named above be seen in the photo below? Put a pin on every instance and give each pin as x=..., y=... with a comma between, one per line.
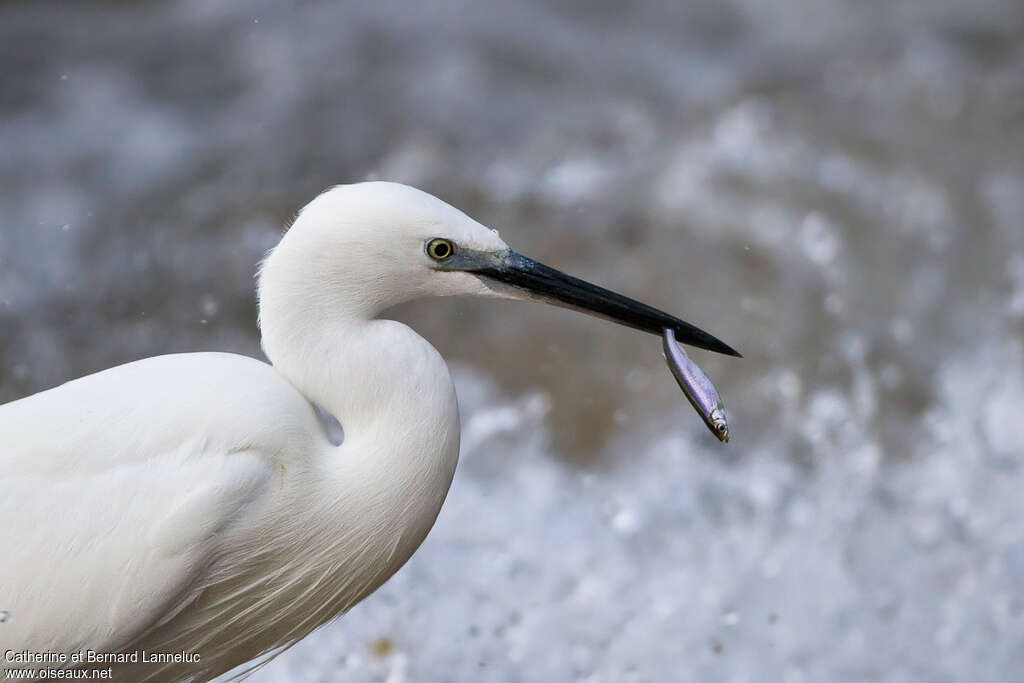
x=193, y=503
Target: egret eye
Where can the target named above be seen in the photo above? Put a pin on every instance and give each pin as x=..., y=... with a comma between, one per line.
x=439, y=249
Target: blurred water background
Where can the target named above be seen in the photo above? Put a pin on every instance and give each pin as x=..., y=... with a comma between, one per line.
x=835, y=187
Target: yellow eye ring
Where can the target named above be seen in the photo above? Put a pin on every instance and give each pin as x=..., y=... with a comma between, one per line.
x=439, y=249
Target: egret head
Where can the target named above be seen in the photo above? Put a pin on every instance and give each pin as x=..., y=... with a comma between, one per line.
x=358, y=249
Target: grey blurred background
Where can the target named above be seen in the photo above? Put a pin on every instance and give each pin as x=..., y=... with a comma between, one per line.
x=834, y=187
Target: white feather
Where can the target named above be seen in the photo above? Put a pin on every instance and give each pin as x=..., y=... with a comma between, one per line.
x=192, y=503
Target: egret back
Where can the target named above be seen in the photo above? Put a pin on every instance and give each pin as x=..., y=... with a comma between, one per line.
x=120, y=489
x=193, y=502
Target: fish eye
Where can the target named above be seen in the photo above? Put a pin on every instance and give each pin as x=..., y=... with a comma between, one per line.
x=439, y=248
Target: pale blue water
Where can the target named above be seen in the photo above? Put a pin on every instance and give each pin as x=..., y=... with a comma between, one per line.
x=835, y=188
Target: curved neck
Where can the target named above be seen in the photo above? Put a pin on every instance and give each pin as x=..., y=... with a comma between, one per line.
x=379, y=378
x=383, y=487
x=387, y=386
x=316, y=324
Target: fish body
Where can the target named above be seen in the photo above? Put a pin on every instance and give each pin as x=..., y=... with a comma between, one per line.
x=695, y=384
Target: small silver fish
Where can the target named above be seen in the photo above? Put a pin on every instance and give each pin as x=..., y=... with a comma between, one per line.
x=695, y=384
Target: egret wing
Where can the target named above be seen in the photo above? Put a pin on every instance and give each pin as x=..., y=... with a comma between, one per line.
x=116, y=492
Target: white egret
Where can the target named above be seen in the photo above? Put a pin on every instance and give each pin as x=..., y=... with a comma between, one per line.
x=191, y=508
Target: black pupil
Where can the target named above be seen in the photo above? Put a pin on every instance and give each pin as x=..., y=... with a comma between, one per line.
x=441, y=249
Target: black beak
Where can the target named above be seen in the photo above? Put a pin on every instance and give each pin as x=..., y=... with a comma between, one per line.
x=554, y=286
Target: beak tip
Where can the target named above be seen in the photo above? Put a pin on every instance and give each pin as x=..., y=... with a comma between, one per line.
x=719, y=346
x=694, y=336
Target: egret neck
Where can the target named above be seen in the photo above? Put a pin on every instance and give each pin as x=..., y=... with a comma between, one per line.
x=387, y=386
